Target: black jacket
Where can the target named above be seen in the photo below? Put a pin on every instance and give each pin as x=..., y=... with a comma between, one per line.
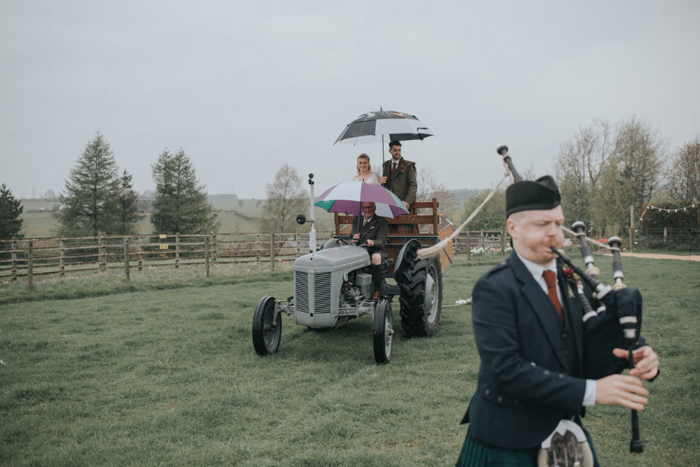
x=531, y=373
x=376, y=230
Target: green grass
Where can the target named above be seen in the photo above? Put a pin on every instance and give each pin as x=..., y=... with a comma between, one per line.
x=162, y=371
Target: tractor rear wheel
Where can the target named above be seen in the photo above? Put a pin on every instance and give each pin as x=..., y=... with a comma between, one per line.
x=267, y=328
x=421, y=296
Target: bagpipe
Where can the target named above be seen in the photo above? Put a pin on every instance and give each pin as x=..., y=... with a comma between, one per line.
x=612, y=318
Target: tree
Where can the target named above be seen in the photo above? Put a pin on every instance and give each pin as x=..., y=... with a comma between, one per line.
x=181, y=204
x=285, y=199
x=633, y=174
x=491, y=217
x=10, y=210
x=126, y=213
x=684, y=180
x=429, y=188
x=684, y=174
x=91, y=192
x=602, y=170
x=579, y=165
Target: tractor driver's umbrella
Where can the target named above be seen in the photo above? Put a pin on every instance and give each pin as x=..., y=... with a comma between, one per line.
x=375, y=127
x=347, y=197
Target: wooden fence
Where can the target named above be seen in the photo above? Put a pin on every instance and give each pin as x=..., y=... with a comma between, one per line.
x=52, y=256
x=481, y=241
x=32, y=257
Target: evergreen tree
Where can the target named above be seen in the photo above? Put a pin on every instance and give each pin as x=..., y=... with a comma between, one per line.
x=126, y=214
x=181, y=204
x=91, y=192
x=10, y=210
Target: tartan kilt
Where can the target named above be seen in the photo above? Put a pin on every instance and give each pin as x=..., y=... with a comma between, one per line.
x=477, y=454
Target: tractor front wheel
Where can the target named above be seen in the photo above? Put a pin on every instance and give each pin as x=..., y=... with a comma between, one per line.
x=267, y=327
x=383, y=331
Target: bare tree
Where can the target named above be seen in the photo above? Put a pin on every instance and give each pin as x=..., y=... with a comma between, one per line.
x=285, y=199
x=684, y=179
x=579, y=166
x=429, y=188
x=684, y=173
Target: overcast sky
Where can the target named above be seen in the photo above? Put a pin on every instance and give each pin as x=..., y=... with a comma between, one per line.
x=244, y=87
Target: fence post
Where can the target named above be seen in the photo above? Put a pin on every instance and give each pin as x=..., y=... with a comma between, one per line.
x=30, y=264
x=62, y=254
x=102, y=256
x=177, y=250
x=140, y=253
x=213, y=247
x=503, y=243
x=126, y=258
x=469, y=244
x=14, y=260
x=272, y=252
x=206, y=256
x=632, y=228
x=665, y=233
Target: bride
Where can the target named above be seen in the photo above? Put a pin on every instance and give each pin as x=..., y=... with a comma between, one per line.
x=364, y=171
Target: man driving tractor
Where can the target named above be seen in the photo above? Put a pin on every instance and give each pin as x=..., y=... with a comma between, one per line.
x=372, y=230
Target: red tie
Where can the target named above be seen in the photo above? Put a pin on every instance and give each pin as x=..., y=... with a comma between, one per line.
x=393, y=168
x=551, y=279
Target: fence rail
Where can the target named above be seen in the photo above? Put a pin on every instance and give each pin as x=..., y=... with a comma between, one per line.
x=47, y=256
x=668, y=238
x=32, y=257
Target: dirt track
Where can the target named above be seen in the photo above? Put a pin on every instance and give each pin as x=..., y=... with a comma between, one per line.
x=662, y=256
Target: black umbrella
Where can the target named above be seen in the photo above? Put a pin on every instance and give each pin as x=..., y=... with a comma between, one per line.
x=381, y=126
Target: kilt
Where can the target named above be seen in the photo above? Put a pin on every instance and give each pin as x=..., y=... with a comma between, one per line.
x=477, y=454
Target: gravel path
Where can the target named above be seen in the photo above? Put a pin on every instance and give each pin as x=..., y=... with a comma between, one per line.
x=662, y=256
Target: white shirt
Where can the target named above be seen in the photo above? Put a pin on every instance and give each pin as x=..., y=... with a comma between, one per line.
x=536, y=270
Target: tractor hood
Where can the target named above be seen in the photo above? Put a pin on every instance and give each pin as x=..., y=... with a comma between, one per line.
x=347, y=257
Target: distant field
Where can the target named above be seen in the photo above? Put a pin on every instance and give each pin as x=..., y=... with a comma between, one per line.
x=236, y=216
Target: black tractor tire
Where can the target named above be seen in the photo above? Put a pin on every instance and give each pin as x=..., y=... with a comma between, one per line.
x=383, y=331
x=266, y=335
x=420, y=282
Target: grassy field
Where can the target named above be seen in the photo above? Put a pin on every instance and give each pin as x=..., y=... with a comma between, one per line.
x=235, y=216
x=161, y=370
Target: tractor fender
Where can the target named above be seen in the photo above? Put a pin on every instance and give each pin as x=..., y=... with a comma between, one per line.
x=408, y=250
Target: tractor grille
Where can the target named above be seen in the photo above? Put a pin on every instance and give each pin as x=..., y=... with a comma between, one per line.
x=301, y=293
x=321, y=291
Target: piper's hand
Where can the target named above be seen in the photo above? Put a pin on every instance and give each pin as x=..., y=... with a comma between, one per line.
x=646, y=362
x=356, y=236
x=370, y=242
x=621, y=390
x=408, y=206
